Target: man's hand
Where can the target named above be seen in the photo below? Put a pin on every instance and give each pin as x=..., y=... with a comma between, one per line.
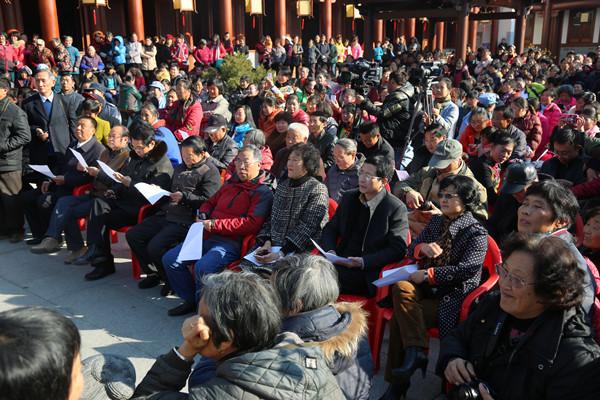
x=196, y=334
x=266, y=256
x=59, y=180
x=80, y=167
x=485, y=395
x=459, y=371
x=430, y=250
x=359, y=99
x=177, y=196
x=413, y=199
x=125, y=180
x=207, y=224
x=426, y=119
x=93, y=171
x=353, y=262
x=44, y=188
x=434, y=113
x=41, y=134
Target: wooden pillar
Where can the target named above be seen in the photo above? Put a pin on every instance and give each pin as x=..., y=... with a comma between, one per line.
x=439, y=35
x=326, y=18
x=280, y=19
x=462, y=22
x=494, y=37
x=226, y=14
x=400, y=30
x=368, y=33
x=48, y=19
x=520, y=23
x=473, y=25
x=546, y=25
x=9, y=17
x=409, y=25
x=338, y=17
x=136, y=18
x=378, y=30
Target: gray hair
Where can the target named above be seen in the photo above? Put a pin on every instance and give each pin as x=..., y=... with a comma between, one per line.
x=256, y=154
x=55, y=40
x=299, y=128
x=255, y=137
x=41, y=41
x=349, y=145
x=151, y=109
x=244, y=309
x=305, y=283
x=47, y=71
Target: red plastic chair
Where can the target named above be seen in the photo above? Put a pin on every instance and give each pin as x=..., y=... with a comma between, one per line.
x=249, y=241
x=78, y=191
x=492, y=258
x=332, y=208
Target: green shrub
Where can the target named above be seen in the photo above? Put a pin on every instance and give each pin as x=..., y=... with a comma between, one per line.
x=233, y=68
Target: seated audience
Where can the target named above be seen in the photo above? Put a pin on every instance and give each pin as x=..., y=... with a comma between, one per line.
x=243, y=123
x=349, y=122
x=471, y=137
x=450, y=253
x=256, y=138
x=567, y=164
x=276, y=140
x=369, y=228
x=185, y=114
x=343, y=175
x=433, y=134
x=502, y=119
x=372, y=144
x=150, y=114
x=216, y=103
x=91, y=108
x=321, y=139
x=591, y=236
x=527, y=120
x=268, y=111
x=221, y=147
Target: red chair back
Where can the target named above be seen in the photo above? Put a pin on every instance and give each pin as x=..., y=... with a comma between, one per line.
x=332, y=207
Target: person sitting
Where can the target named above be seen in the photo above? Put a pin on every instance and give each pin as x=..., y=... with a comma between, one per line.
x=502, y=119
x=193, y=182
x=321, y=139
x=372, y=143
x=292, y=105
x=590, y=245
x=527, y=120
x=299, y=212
x=424, y=185
x=256, y=138
x=343, y=175
x=268, y=111
x=242, y=337
x=433, y=134
x=220, y=146
x=530, y=339
x=243, y=123
x=150, y=114
x=471, y=137
x=450, y=253
x=216, y=103
x=567, y=165
x=369, y=228
x=487, y=168
x=185, y=115
x=91, y=108
x=276, y=140
x=238, y=209
x=38, y=203
x=147, y=163
x=349, y=122
x=307, y=287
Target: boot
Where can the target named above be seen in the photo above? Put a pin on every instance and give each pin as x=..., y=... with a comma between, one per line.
x=415, y=359
x=92, y=255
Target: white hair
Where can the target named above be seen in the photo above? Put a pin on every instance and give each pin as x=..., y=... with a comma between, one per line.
x=299, y=128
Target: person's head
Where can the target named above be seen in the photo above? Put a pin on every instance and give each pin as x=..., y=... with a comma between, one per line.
x=268, y=106
x=344, y=153
x=235, y=323
x=4, y=87
x=317, y=122
x=34, y=367
x=171, y=98
x=547, y=207
x=118, y=137
x=458, y=194
x=66, y=83
x=255, y=137
x=442, y=88
x=565, y=93
x=283, y=75
x=85, y=129
x=215, y=88
x=479, y=119
x=566, y=143
x=90, y=108
x=149, y=113
x=304, y=283
x=538, y=272
x=174, y=70
x=503, y=116
x=349, y=113
x=591, y=230
x=397, y=80
x=44, y=80
x=590, y=117
x=283, y=121
x=502, y=146
x=447, y=156
x=248, y=162
x=548, y=96
x=142, y=137
x=292, y=103
x=304, y=159
x=374, y=175
x=297, y=133
x=520, y=107
x=193, y=150
x=369, y=133
x=252, y=90
x=216, y=127
x=434, y=134
x=183, y=89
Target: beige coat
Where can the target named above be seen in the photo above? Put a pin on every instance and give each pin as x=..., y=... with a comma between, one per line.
x=148, y=59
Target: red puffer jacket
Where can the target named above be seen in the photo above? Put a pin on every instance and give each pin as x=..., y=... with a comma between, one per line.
x=184, y=123
x=531, y=126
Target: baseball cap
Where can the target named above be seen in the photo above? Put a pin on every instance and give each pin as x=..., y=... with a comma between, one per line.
x=518, y=175
x=215, y=122
x=488, y=98
x=445, y=152
x=89, y=95
x=98, y=86
x=158, y=85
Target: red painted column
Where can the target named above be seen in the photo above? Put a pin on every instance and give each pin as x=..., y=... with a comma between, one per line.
x=226, y=20
x=280, y=19
x=9, y=17
x=377, y=30
x=409, y=26
x=473, y=30
x=48, y=19
x=494, y=37
x=136, y=18
x=327, y=18
x=400, y=31
x=520, y=23
x=461, y=35
x=439, y=34
x=546, y=25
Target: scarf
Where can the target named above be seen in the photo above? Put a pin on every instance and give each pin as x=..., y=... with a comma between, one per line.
x=445, y=242
x=182, y=107
x=441, y=103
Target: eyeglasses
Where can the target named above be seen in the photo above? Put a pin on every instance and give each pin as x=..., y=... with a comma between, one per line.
x=515, y=282
x=563, y=153
x=139, y=148
x=363, y=174
x=446, y=195
x=115, y=137
x=243, y=163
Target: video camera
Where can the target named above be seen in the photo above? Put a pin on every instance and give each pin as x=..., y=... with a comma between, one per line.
x=362, y=74
x=427, y=70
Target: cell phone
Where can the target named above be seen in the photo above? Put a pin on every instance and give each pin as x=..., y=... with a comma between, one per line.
x=270, y=75
x=571, y=119
x=263, y=252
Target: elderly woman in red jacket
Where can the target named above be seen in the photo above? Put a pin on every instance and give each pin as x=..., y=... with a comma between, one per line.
x=185, y=116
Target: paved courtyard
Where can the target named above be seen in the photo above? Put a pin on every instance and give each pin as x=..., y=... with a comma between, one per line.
x=115, y=316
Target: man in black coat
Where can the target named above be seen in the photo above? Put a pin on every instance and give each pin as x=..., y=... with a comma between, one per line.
x=14, y=134
x=372, y=227
x=372, y=144
x=52, y=122
x=148, y=163
x=323, y=140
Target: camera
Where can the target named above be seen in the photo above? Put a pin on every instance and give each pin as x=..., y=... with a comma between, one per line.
x=427, y=70
x=469, y=391
x=426, y=206
x=362, y=74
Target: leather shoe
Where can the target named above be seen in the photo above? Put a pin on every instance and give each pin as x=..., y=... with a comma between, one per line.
x=149, y=282
x=35, y=240
x=99, y=273
x=166, y=290
x=415, y=359
x=182, y=309
x=91, y=255
x=17, y=237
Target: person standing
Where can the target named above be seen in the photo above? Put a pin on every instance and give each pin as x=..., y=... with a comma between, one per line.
x=14, y=134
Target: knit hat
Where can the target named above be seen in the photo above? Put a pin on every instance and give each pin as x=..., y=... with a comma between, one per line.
x=108, y=376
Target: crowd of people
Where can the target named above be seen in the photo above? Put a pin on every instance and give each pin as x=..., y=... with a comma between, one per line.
x=503, y=149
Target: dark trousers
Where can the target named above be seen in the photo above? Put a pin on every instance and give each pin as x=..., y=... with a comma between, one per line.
x=38, y=208
x=64, y=219
x=352, y=281
x=414, y=313
x=151, y=239
x=11, y=214
x=104, y=216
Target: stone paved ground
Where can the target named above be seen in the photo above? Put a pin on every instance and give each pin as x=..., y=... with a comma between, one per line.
x=114, y=316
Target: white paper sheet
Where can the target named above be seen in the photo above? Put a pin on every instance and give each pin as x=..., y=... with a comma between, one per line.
x=150, y=192
x=250, y=256
x=395, y=275
x=192, y=245
x=402, y=175
x=43, y=169
x=79, y=158
x=331, y=257
x=108, y=171
x=184, y=135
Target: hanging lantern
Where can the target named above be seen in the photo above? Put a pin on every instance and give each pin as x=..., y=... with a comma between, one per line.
x=352, y=12
x=94, y=2
x=254, y=7
x=184, y=5
x=304, y=8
